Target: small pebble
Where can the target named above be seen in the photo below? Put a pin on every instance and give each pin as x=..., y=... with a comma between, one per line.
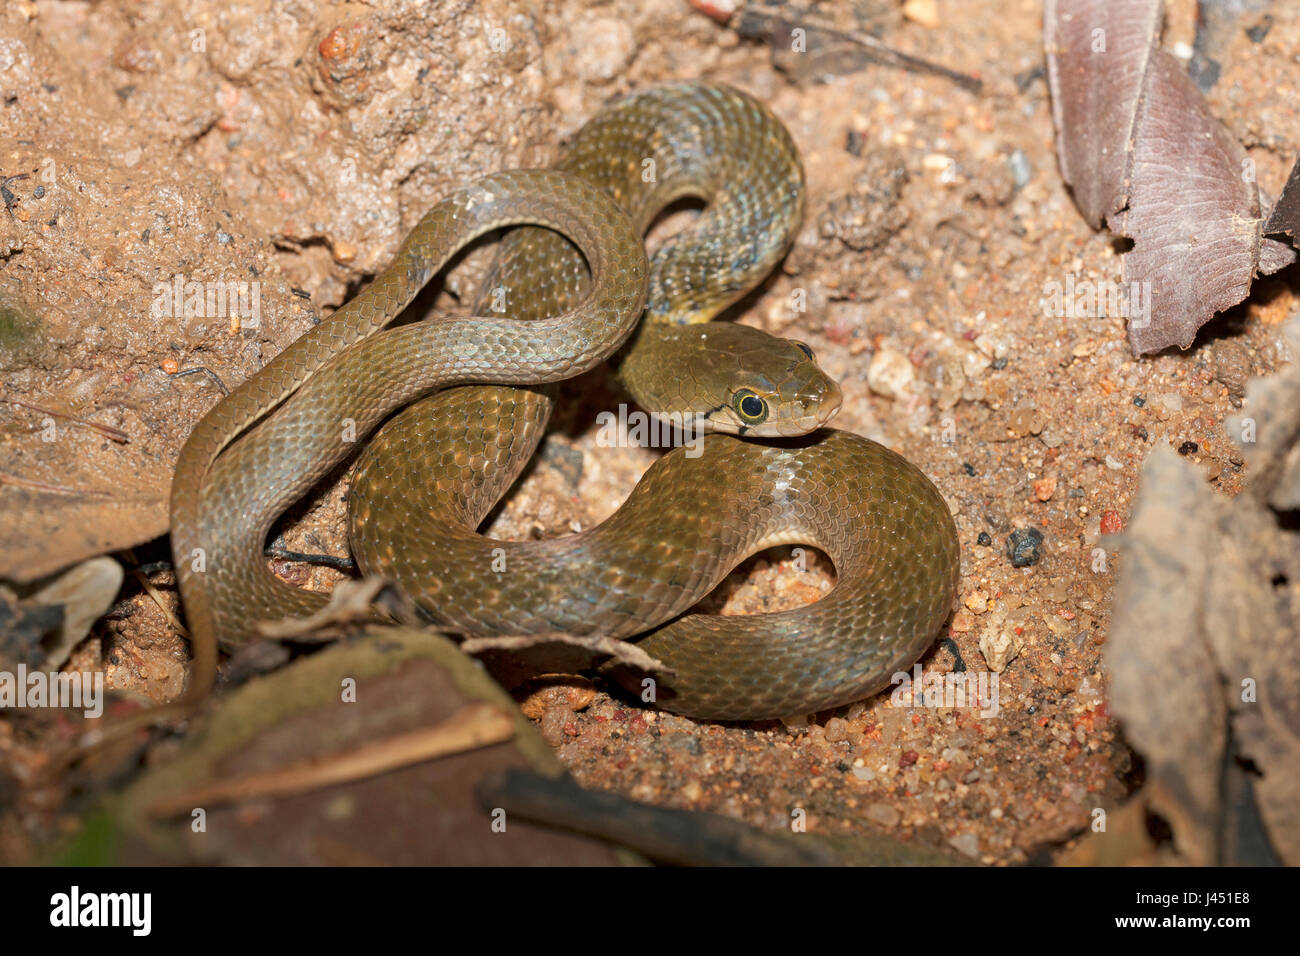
x=837, y=728
x=924, y=12
x=883, y=814
x=890, y=373
x=1023, y=547
x=344, y=251
x=1000, y=649
x=1260, y=30
x=1021, y=171
x=967, y=844
x=984, y=540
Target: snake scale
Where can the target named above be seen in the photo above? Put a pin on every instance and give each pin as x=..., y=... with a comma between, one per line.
x=577, y=273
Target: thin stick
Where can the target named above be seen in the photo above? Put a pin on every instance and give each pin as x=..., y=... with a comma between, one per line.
x=8, y=479
x=886, y=53
x=205, y=371
x=154, y=593
x=115, y=434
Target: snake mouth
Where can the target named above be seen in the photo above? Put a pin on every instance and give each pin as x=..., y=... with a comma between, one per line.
x=831, y=403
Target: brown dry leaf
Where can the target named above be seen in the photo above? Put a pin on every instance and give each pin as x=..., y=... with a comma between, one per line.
x=1094, y=109
x=1137, y=143
x=1192, y=215
x=405, y=682
x=1205, y=668
x=55, y=525
x=1285, y=217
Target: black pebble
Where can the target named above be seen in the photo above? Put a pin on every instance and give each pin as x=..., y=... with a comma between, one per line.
x=1260, y=30
x=1188, y=448
x=968, y=468
x=984, y=539
x=1139, y=401
x=1022, y=547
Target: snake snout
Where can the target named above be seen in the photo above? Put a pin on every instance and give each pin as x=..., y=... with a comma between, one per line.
x=830, y=403
x=817, y=402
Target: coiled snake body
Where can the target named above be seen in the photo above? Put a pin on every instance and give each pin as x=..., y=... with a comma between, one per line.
x=579, y=273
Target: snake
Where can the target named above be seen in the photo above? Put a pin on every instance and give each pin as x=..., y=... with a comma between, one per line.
x=463, y=401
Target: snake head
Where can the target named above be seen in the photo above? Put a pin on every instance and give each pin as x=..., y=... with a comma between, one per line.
x=733, y=378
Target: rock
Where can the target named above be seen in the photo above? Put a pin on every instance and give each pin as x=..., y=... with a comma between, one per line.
x=1000, y=648
x=883, y=814
x=924, y=12
x=967, y=844
x=1021, y=171
x=1166, y=404
x=1024, y=547
x=890, y=374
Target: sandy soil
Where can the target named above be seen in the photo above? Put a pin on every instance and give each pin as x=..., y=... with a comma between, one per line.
x=303, y=142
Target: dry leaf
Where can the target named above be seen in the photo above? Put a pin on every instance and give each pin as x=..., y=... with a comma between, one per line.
x=1202, y=652
x=1137, y=143
x=1285, y=217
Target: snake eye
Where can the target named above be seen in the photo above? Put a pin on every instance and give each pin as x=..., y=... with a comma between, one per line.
x=805, y=349
x=752, y=409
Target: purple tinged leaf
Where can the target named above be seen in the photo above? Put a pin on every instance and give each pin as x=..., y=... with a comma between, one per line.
x=1097, y=54
x=1193, y=214
x=1285, y=218
x=1143, y=154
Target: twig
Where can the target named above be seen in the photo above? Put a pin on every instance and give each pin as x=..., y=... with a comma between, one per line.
x=7, y=479
x=115, y=434
x=887, y=54
x=154, y=593
x=205, y=371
